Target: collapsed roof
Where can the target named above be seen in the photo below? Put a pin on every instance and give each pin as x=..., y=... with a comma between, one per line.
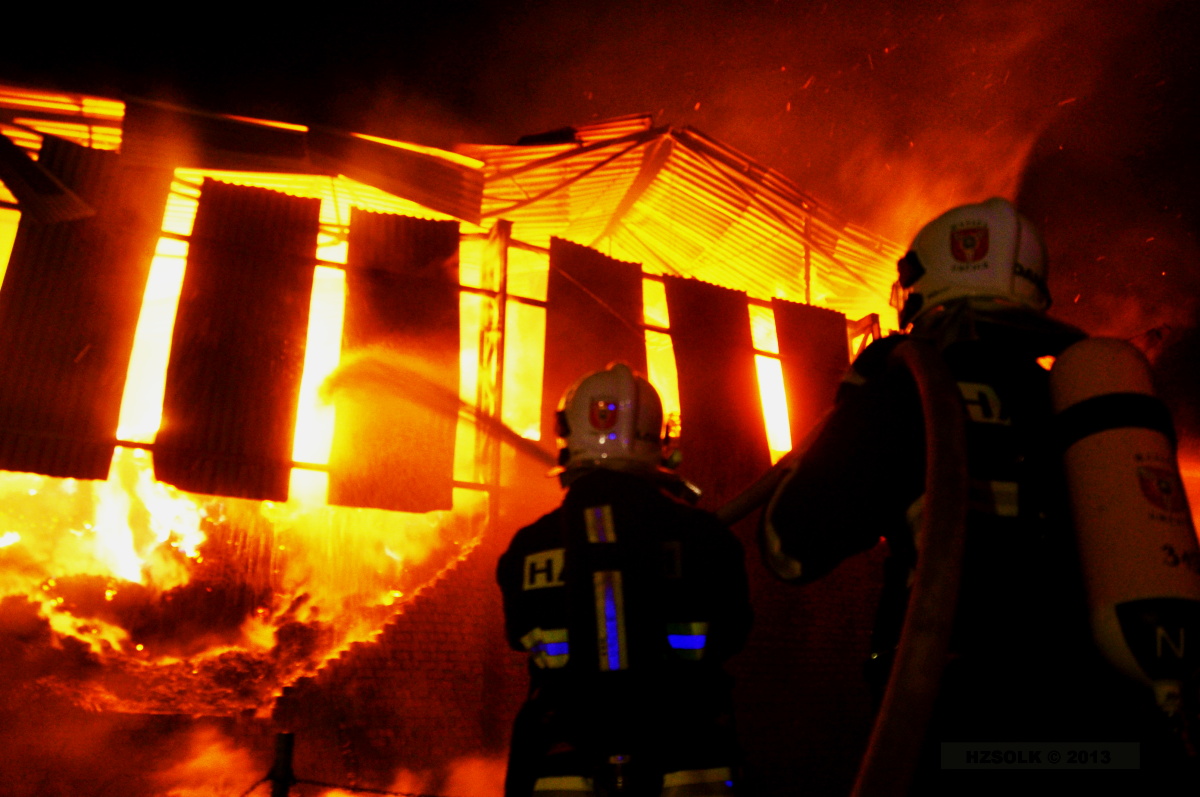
x=674, y=200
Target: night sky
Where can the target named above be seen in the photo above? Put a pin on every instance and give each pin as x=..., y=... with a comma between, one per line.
x=1085, y=111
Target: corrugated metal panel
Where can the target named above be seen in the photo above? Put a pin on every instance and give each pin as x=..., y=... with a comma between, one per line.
x=68, y=309
x=237, y=353
x=850, y=270
x=24, y=138
x=92, y=122
x=685, y=213
x=156, y=133
x=503, y=158
x=814, y=353
x=16, y=100
x=441, y=182
x=709, y=212
x=776, y=253
x=560, y=190
x=593, y=317
x=654, y=157
x=42, y=196
x=594, y=198
x=511, y=183
x=724, y=437
x=615, y=127
x=338, y=189
x=394, y=438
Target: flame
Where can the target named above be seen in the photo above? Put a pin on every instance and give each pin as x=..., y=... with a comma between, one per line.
x=524, y=342
x=662, y=373
x=770, y=380
x=327, y=313
x=195, y=603
x=65, y=104
x=471, y=776
x=269, y=123
x=94, y=136
x=8, y=235
x=182, y=596
x=315, y=418
x=128, y=529
x=476, y=777
x=146, y=380
x=132, y=568
x=774, y=405
x=660, y=352
x=455, y=157
x=213, y=765
x=654, y=304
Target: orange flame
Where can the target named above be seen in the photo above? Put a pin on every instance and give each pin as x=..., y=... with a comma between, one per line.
x=107, y=562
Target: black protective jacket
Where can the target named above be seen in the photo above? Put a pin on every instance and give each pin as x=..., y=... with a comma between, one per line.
x=862, y=479
x=1022, y=664
x=628, y=601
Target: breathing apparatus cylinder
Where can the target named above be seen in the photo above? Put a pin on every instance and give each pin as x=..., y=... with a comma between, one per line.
x=1137, y=544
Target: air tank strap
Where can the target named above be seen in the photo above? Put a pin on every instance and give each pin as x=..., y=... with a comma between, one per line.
x=1113, y=411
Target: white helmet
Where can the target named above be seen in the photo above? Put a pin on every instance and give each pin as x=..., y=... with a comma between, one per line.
x=611, y=419
x=985, y=251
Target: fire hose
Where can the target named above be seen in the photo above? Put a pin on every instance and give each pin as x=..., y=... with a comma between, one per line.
x=899, y=730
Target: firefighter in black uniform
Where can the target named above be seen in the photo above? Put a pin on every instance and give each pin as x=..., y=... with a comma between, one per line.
x=628, y=600
x=1022, y=664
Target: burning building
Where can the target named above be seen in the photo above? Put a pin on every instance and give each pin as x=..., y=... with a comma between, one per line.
x=277, y=396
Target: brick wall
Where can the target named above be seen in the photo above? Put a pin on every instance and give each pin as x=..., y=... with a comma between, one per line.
x=437, y=684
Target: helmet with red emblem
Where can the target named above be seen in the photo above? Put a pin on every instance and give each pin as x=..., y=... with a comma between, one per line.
x=611, y=419
x=988, y=252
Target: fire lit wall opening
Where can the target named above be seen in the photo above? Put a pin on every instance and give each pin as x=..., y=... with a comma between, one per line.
x=388, y=298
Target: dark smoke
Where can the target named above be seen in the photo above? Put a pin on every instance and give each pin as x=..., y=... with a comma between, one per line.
x=1112, y=182
x=889, y=113
x=854, y=101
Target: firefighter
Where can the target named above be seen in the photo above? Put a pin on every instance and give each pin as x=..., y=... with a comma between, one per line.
x=1022, y=663
x=627, y=601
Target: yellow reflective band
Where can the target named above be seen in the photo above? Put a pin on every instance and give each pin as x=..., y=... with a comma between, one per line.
x=994, y=498
x=1004, y=499
x=610, y=620
x=564, y=783
x=540, y=635
x=548, y=648
x=687, y=777
x=599, y=521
